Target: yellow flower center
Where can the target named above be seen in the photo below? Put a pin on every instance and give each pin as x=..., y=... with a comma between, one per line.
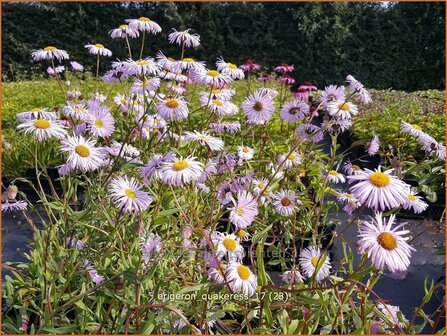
x=387, y=241
x=172, y=103
x=217, y=102
x=229, y=244
x=202, y=137
x=99, y=45
x=240, y=211
x=314, y=261
x=180, y=165
x=232, y=66
x=124, y=26
x=355, y=167
x=241, y=233
x=50, y=48
x=245, y=149
x=417, y=127
x=333, y=173
x=411, y=197
x=142, y=62
x=188, y=60
x=291, y=156
x=213, y=73
x=143, y=18
x=344, y=106
x=243, y=272
x=123, y=101
x=99, y=123
x=261, y=185
x=349, y=195
x=130, y=193
x=257, y=106
x=379, y=179
x=42, y=124
x=82, y=150
x=216, y=91
x=36, y=109
x=285, y=201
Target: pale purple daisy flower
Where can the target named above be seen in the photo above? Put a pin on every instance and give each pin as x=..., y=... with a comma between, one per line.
x=378, y=190
x=124, y=31
x=208, y=170
x=372, y=147
x=37, y=113
x=180, y=171
x=191, y=65
x=284, y=202
x=151, y=84
x=101, y=122
x=309, y=132
x=96, y=278
x=351, y=169
x=144, y=24
x=335, y=125
x=245, y=153
x=361, y=93
x=151, y=245
x=172, y=109
x=312, y=260
x=294, y=111
x=332, y=93
x=241, y=279
x=224, y=194
x=127, y=194
x=216, y=275
x=226, y=127
x=392, y=312
x=44, y=129
x=204, y=139
x=335, y=177
x=244, y=210
x=350, y=202
x=228, y=245
x=225, y=162
x=141, y=67
x=54, y=71
x=289, y=160
x=386, y=246
x=14, y=206
x=415, y=202
x=293, y=276
x=76, y=111
x=75, y=243
x=168, y=63
x=151, y=169
x=414, y=130
x=212, y=78
x=229, y=69
x=98, y=49
x=49, y=53
x=342, y=109
x=82, y=153
x=241, y=183
x=184, y=38
x=258, y=108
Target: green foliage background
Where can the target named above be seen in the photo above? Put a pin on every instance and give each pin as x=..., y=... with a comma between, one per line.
x=398, y=45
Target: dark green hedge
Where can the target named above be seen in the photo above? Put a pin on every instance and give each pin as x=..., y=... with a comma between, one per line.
x=399, y=45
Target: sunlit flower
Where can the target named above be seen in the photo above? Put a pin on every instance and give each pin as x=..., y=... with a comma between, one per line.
x=180, y=171
x=141, y=67
x=98, y=49
x=294, y=111
x=190, y=64
x=350, y=202
x=378, y=190
x=258, y=108
x=172, y=109
x=228, y=245
x=76, y=111
x=241, y=279
x=244, y=210
x=289, y=160
x=415, y=203
x=211, y=78
x=124, y=31
x=37, y=113
x=312, y=260
x=229, y=69
x=205, y=140
x=101, y=122
x=125, y=149
x=49, y=53
x=82, y=153
x=335, y=177
x=342, y=109
x=216, y=275
x=242, y=235
x=245, y=153
x=351, y=169
x=43, y=129
x=168, y=63
x=8, y=206
x=386, y=246
x=184, y=38
x=284, y=202
x=144, y=24
x=153, y=166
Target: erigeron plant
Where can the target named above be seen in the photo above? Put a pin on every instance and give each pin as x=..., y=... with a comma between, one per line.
x=187, y=190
